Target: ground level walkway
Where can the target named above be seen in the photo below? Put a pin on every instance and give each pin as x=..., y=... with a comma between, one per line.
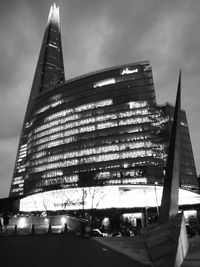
x=193, y=257
x=135, y=249
x=59, y=250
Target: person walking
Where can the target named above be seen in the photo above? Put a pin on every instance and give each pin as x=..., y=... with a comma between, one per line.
x=1, y=228
x=5, y=221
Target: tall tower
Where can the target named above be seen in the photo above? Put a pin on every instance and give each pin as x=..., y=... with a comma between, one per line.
x=49, y=73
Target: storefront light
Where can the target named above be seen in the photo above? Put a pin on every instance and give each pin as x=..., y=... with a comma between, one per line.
x=22, y=223
x=63, y=220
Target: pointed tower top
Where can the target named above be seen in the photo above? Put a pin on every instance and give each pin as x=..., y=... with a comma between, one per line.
x=54, y=16
x=169, y=203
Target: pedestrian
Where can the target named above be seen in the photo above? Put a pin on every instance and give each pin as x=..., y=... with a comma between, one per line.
x=1, y=229
x=5, y=220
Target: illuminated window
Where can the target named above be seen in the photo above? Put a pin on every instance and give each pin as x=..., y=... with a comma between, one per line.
x=137, y=104
x=103, y=175
x=18, y=182
x=54, y=46
x=17, y=189
x=54, y=104
x=104, y=82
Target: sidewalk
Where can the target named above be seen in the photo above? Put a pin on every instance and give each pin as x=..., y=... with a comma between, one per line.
x=134, y=248
x=193, y=257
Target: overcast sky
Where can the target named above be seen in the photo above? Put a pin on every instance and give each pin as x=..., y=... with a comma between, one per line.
x=98, y=34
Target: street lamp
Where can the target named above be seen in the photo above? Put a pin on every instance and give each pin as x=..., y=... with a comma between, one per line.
x=156, y=198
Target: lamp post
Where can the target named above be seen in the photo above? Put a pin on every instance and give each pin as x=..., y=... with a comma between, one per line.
x=156, y=198
x=145, y=212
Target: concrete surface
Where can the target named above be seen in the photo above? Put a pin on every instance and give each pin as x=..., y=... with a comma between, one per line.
x=134, y=248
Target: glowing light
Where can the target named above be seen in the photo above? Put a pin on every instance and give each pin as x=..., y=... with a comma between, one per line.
x=22, y=223
x=53, y=46
x=128, y=71
x=189, y=213
x=112, y=196
x=63, y=220
x=104, y=82
x=54, y=104
x=137, y=104
x=105, y=221
x=54, y=16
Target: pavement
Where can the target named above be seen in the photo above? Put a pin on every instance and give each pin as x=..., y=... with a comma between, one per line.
x=193, y=257
x=134, y=248
x=50, y=250
x=130, y=247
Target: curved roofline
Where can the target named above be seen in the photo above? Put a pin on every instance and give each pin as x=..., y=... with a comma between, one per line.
x=106, y=69
x=76, y=78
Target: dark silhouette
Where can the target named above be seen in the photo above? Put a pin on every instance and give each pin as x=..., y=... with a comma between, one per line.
x=1, y=226
x=5, y=220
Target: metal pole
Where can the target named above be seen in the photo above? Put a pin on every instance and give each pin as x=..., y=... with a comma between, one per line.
x=156, y=198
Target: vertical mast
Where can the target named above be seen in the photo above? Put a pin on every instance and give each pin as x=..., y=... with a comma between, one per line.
x=169, y=203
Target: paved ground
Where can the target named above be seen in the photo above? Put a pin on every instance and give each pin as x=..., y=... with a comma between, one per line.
x=59, y=250
x=134, y=248
x=193, y=257
x=68, y=250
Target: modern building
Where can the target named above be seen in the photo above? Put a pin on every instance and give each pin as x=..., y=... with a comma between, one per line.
x=49, y=72
x=96, y=140
x=188, y=175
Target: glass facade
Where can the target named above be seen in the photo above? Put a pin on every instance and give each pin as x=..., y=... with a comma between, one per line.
x=188, y=175
x=95, y=130
x=49, y=73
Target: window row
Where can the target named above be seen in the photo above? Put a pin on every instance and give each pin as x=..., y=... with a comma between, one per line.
x=65, y=115
x=53, y=173
x=59, y=180
x=71, y=139
x=60, y=140
x=17, y=189
x=92, y=159
x=71, y=125
x=76, y=123
x=52, y=105
x=78, y=129
x=80, y=108
x=118, y=174
x=130, y=181
x=95, y=150
x=21, y=182
x=54, y=143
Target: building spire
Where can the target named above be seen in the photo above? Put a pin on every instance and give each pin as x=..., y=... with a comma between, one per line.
x=48, y=74
x=169, y=203
x=54, y=15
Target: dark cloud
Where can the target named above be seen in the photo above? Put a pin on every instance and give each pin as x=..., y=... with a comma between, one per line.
x=95, y=35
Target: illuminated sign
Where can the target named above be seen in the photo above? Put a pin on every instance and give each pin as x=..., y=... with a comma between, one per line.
x=128, y=71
